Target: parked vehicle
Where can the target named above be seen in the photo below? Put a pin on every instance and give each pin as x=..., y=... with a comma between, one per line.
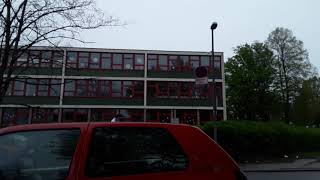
x=112, y=151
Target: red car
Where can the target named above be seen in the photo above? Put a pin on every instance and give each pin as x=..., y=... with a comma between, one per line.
x=112, y=151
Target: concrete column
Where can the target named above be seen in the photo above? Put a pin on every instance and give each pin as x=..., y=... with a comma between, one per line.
x=64, y=62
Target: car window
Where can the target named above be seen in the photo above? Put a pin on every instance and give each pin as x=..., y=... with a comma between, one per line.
x=37, y=155
x=120, y=151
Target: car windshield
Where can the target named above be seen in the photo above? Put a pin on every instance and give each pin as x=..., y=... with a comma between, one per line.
x=37, y=155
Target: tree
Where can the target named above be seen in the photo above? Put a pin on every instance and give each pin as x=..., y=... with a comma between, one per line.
x=249, y=79
x=307, y=103
x=292, y=65
x=27, y=23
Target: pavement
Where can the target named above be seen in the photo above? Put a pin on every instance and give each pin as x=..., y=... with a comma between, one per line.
x=300, y=169
x=299, y=164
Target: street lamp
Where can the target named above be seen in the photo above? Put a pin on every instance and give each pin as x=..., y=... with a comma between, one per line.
x=214, y=26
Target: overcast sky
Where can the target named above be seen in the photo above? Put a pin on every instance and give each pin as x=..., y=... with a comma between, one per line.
x=185, y=24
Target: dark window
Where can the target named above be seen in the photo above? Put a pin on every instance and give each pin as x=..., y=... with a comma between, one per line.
x=44, y=154
x=31, y=87
x=105, y=88
x=117, y=61
x=94, y=62
x=72, y=59
x=116, y=89
x=55, y=87
x=121, y=151
x=57, y=59
x=102, y=115
x=46, y=60
x=81, y=88
x=14, y=116
x=19, y=86
x=69, y=88
x=43, y=87
x=139, y=62
x=22, y=60
x=34, y=58
x=152, y=65
x=128, y=89
x=93, y=88
x=106, y=61
x=83, y=62
x=75, y=115
x=45, y=115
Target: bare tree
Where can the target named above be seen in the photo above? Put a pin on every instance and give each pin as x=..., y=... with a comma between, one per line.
x=292, y=65
x=28, y=23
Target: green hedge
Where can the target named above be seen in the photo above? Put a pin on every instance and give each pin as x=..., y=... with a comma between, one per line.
x=258, y=141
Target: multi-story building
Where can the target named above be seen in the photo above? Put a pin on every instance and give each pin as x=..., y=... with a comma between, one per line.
x=84, y=84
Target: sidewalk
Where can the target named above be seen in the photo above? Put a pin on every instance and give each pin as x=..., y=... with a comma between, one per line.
x=300, y=164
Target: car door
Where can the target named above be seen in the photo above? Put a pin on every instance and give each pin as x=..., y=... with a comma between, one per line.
x=118, y=152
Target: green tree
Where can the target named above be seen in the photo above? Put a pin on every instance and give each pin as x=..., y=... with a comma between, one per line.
x=307, y=103
x=249, y=78
x=292, y=65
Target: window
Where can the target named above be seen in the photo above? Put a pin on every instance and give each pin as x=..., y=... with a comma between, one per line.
x=117, y=61
x=55, y=87
x=121, y=151
x=106, y=61
x=57, y=59
x=34, y=58
x=37, y=154
x=102, y=115
x=45, y=115
x=83, y=60
x=93, y=88
x=163, y=62
x=173, y=89
x=72, y=59
x=131, y=115
x=205, y=61
x=105, y=88
x=22, y=60
x=185, y=89
x=116, y=89
x=139, y=62
x=152, y=62
x=69, y=87
x=19, y=87
x=43, y=87
x=94, y=62
x=46, y=60
x=75, y=115
x=128, y=89
x=82, y=88
x=14, y=116
x=31, y=87
x=163, y=89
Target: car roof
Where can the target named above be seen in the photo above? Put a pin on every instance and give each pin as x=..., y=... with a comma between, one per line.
x=84, y=125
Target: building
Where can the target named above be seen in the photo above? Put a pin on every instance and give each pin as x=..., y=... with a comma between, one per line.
x=86, y=84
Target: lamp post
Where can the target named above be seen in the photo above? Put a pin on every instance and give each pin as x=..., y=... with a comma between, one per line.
x=214, y=25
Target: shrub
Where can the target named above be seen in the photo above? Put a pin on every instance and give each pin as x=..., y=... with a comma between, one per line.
x=264, y=141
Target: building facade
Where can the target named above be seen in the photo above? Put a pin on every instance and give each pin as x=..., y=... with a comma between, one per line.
x=86, y=84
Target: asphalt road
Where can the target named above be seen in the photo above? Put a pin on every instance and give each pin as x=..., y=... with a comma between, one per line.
x=298, y=175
